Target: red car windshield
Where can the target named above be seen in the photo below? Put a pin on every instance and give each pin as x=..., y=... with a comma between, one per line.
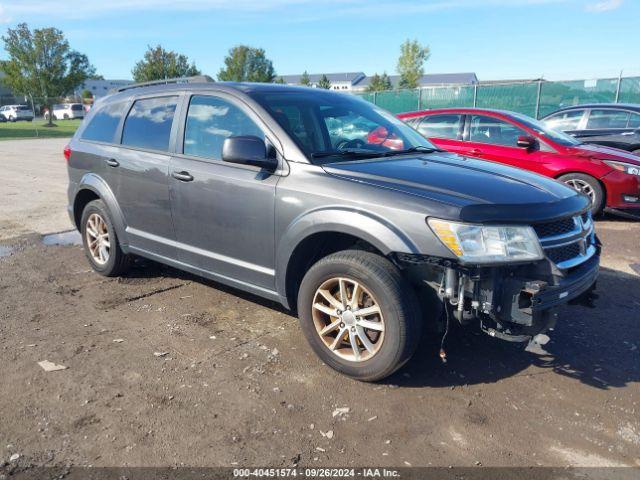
x=543, y=131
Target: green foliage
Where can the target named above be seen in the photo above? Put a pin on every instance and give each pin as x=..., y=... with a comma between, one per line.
x=324, y=82
x=379, y=83
x=159, y=64
x=304, y=79
x=247, y=64
x=86, y=94
x=280, y=80
x=41, y=64
x=411, y=63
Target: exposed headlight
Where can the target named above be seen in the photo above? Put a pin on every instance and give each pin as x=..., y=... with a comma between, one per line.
x=624, y=167
x=488, y=243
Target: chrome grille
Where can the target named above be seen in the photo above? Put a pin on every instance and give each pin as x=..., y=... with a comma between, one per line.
x=567, y=242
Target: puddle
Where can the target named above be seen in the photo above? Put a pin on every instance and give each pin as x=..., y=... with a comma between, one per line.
x=72, y=237
x=6, y=251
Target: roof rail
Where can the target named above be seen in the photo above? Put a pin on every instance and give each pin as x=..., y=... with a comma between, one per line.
x=166, y=81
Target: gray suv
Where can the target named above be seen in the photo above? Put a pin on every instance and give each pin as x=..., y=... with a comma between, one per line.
x=332, y=207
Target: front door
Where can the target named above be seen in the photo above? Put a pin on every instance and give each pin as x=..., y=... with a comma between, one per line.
x=223, y=213
x=494, y=139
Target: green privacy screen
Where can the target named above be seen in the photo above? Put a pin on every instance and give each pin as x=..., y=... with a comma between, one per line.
x=535, y=99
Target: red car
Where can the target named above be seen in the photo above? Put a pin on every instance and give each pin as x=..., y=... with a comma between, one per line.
x=610, y=177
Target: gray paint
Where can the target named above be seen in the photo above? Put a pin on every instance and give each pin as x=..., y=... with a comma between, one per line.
x=239, y=225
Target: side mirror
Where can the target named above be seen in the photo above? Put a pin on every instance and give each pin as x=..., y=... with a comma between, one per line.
x=526, y=141
x=247, y=150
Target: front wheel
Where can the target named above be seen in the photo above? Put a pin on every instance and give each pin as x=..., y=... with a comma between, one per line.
x=359, y=314
x=589, y=186
x=101, y=242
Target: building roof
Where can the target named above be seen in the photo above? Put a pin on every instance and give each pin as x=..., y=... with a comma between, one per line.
x=352, y=77
x=467, y=78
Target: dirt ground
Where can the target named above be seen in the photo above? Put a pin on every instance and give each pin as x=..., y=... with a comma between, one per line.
x=166, y=369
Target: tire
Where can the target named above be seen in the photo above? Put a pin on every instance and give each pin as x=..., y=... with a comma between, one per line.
x=12, y=118
x=66, y=117
x=380, y=283
x=591, y=186
x=116, y=262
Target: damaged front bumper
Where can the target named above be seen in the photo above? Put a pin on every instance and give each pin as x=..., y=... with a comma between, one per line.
x=511, y=302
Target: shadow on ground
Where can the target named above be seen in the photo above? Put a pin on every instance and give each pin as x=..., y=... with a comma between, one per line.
x=598, y=346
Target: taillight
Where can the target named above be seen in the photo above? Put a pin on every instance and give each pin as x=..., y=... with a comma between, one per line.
x=67, y=152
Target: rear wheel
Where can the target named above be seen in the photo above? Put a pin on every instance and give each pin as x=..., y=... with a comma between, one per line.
x=589, y=186
x=101, y=242
x=359, y=314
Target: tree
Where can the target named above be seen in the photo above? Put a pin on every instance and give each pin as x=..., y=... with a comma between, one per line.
x=324, y=82
x=379, y=83
x=305, y=80
x=411, y=62
x=247, y=64
x=159, y=64
x=280, y=80
x=86, y=94
x=41, y=64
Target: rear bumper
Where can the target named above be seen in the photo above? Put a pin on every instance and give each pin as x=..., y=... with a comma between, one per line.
x=619, y=186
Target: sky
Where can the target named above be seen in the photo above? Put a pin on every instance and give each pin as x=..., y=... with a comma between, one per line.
x=496, y=39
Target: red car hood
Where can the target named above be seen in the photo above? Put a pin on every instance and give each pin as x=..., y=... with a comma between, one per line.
x=604, y=153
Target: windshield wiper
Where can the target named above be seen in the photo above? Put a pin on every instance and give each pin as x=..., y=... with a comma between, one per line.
x=345, y=153
x=417, y=149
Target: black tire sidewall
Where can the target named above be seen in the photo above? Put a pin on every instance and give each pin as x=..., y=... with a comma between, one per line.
x=598, y=204
x=98, y=206
x=399, y=316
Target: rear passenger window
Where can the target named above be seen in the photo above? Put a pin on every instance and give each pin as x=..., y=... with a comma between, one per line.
x=148, y=124
x=210, y=121
x=603, y=119
x=103, y=125
x=441, y=126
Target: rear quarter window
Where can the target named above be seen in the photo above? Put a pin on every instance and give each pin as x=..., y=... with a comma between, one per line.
x=149, y=122
x=104, y=123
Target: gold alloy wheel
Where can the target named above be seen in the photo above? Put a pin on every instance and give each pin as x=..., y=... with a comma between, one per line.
x=98, y=239
x=348, y=319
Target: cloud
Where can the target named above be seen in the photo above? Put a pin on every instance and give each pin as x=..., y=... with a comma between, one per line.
x=604, y=6
x=300, y=10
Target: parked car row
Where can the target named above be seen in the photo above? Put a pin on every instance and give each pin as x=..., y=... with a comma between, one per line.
x=608, y=176
x=66, y=111
x=61, y=111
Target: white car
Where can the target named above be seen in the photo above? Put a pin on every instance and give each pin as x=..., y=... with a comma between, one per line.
x=13, y=113
x=67, y=111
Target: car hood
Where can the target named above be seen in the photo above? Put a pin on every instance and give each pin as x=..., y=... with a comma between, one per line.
x=483, y=191
x=604, y=153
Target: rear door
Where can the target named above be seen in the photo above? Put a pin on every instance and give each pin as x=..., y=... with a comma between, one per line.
x=569, y=121
x=445, y=130
x=140, y=168
x=492, y=138
x=612, y=128
x=223, y=212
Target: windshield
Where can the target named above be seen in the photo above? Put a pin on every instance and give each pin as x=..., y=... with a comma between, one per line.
x=545, y=132
x=329, y=127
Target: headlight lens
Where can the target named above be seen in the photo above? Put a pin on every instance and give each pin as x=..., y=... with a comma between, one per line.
x=488, y=243
x=624, y=167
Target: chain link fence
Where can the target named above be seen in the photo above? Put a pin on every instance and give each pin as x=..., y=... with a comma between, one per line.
x=536, y=98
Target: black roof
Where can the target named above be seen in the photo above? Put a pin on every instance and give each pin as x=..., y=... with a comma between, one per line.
x=623, y=106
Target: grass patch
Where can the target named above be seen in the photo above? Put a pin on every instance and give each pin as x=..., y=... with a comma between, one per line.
x=37, y=129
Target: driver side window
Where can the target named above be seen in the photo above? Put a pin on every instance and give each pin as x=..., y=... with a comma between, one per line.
x=494, y=131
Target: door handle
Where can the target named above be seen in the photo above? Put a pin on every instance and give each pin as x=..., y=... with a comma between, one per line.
x=475, y=151
x=182, y=176
x=112, y=162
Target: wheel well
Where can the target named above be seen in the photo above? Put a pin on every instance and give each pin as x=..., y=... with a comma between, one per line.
x=312, y=249
x=82, y=198
x=604, y=188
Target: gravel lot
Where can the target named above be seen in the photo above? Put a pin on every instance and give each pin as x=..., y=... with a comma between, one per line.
x=168, y=369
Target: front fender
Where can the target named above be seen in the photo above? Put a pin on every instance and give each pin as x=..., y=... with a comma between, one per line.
x=97, y=185
x=375, y=230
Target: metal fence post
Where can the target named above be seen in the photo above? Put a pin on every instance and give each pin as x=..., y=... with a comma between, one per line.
x=618, y=87
x=538, y=99
x=419, y=98
x=475, y=95
x=375, y=98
